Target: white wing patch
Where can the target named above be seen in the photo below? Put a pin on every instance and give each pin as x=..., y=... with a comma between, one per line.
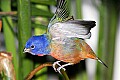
x=62, y=30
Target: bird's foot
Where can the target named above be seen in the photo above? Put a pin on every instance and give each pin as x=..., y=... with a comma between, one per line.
x=54, y=64
x=60, y=66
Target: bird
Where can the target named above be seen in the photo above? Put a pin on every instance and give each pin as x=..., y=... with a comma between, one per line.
x=64, y=39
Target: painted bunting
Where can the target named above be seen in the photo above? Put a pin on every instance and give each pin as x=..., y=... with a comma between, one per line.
x=64, y=39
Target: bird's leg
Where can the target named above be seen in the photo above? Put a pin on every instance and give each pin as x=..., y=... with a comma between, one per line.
x=62, y=67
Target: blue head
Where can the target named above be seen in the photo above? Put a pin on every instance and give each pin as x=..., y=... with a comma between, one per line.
x=37, y=45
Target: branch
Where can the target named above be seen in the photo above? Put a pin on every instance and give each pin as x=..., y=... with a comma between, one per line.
x=12, y=13
x=32, y=73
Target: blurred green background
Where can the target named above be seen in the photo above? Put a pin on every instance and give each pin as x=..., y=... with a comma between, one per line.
x=23, y=18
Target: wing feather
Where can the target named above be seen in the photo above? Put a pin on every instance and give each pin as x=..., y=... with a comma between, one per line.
x=63, y=26
x=72, y=28
x=62, y=10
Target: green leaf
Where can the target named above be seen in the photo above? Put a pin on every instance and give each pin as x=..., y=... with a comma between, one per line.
x=45, y=2
x=40, y=12
x=24, y=33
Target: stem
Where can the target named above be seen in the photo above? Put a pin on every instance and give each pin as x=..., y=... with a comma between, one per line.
x=107, y=37
x=24, y=32
x=112, y=19
x=101, y=41
x=78, y=9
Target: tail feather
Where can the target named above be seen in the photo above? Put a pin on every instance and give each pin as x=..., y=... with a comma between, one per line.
x=102, y=62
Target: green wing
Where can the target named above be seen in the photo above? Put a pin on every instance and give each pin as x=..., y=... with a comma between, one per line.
x=62, y=11
x=61, y=14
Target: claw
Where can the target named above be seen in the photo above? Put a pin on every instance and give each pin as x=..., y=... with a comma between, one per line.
x=60, y=66
x=56, y=63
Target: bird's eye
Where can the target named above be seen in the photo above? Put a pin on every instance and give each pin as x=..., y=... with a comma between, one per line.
x=32, y=46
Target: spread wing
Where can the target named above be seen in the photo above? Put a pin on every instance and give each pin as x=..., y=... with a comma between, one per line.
x=72, y=28
x=62, y=25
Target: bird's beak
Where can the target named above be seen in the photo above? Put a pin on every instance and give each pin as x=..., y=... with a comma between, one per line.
x=26, y=50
